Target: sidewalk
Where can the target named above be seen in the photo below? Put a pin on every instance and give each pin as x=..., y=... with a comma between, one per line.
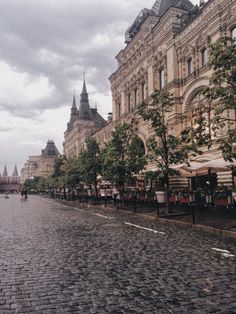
x=224, y=227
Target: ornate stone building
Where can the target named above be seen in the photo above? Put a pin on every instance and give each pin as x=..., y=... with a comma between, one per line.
x=40, y=165
x=167, y=46
x=83, y=123
x=8, y=183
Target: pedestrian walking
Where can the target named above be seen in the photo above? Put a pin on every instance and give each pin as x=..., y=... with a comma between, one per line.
x=22, y=194
x=26, y=194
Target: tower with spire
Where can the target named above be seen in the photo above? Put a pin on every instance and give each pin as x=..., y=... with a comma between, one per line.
x=73, y=113
x=9, y=184
x=15, y=172
x=84, y=108
x=5, y=174
x=83, y=122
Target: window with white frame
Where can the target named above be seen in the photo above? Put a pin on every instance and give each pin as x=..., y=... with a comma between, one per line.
x=189, y=66
x=162, y=78
x=233, y=33
x=204, y=56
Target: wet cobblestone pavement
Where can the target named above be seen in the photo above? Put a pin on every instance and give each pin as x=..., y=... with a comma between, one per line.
x=57, y=259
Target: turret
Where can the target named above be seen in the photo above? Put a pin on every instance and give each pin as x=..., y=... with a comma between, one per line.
x=73, y=112
x=5, y=172
x=15, y=172
x=84, y=108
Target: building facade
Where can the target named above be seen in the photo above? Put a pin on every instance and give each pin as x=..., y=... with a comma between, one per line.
x=40, y=165
x=9, y=184
x=84, y=122
x=167, y=47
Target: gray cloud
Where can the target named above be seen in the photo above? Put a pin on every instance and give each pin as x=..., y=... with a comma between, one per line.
x=60, y=40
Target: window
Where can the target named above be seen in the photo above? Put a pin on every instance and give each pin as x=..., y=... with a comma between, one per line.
x=129, y=102
x=189, y=66
x=204, y=56
x=233, y=33
x=162, y=78
x=119, y=110
x=196, y=110
x=143, y=91
x=135, y=97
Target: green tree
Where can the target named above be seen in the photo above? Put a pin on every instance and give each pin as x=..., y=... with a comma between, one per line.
x=36, y=184
x=41, y=184
x=29, y=185
x=90, y=163
x=58, y=172
x=167, y=149
x=222, y=90
x=123, y=156
x=70, y=170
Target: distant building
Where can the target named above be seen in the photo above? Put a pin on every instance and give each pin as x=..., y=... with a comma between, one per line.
x=84, y=122
x=8, y=183
x=40, y=165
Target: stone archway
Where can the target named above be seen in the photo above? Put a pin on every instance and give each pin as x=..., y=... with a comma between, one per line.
x=193, y=97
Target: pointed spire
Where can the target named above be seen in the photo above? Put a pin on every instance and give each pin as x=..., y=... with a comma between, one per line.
x=15, y=172
x=84, y=91
x=74, y=102
x=5, y=172
x=84, y=108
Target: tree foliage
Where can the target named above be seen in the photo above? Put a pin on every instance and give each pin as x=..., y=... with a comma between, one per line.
x=168, y=149
x=90, y=163
x=222, y=90
x=70, y=172
x=36, y=184
x=123, y=156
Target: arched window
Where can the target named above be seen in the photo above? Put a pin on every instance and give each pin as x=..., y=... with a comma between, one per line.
x=189, y=66
x=233, y=33
x=198, y=107
x=204, y=56
x=162, y=78
x=139, y=146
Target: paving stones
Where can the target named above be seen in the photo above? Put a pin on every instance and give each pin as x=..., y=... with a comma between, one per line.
x=54, y=260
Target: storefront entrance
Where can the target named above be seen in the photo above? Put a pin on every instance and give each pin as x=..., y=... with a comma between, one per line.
x=207, y=182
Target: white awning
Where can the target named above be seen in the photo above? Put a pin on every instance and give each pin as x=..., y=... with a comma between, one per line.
x=217, y=164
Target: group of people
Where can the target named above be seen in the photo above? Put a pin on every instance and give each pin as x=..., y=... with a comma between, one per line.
x=24, y=195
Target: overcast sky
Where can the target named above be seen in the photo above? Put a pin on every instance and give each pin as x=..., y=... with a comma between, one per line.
x=46, y=45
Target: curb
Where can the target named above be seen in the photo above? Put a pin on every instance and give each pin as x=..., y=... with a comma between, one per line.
x=219, y=232
x=223, y=234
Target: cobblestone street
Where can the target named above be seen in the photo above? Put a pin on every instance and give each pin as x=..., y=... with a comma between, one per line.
x=58, y=259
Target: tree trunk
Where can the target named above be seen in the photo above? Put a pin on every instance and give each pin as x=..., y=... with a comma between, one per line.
x=167, y=189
